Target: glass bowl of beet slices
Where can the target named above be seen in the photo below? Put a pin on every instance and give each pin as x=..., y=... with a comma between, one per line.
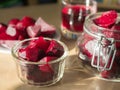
x=25, y=28
x=99, y=45
x=40, y=61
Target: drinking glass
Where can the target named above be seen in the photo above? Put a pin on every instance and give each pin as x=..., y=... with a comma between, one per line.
x=73, y=14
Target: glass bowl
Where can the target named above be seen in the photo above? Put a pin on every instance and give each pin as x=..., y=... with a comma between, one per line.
x=30, y=72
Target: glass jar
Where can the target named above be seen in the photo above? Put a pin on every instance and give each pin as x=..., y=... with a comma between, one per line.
x=99, y=50
x=73, y=13
x=39, y=73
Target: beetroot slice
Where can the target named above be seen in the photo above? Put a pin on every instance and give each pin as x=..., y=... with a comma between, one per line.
x=107, y=19
x=46, y=29
x=13, y=21
x=24, y=23
x=37, y=76
x=34, y=31
x=27, y=21
x=35, y=50
x=110, y=73
x=54, y=49
x=46, y=67
x=116, y=26
x=42, y=43
x=4, y=36
x=3, y=27
x=32, y=54
x=10, y=34
x=29, y=53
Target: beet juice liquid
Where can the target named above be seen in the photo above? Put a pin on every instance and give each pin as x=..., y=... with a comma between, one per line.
x=73, y=17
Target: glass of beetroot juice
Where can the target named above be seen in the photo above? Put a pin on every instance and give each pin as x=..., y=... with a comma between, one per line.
x=99, y=45
x=73, y=16
x=40, y=61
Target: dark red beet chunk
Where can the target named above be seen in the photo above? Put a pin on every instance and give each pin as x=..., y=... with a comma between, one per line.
x=54, y=49
x=34, y=31
x=3, y=28
x=29, y=53
x=110, y=73
x=41, y=43
x=13, y=21
x=9, y=34
x=25, y=22
x=46, y=29
x=46, y=67
x=107, y=19
x=41, y=28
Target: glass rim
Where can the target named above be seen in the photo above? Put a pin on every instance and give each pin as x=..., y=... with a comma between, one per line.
x=87, y=28
x=90, y=1
x=100, y=28
x=20, y=60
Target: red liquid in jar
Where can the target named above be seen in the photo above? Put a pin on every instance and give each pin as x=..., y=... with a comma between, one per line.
x=79, y=14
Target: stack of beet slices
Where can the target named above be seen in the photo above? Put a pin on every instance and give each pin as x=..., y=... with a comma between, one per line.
x=27, y=27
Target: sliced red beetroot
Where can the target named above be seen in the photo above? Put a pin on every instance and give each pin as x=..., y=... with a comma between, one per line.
x=4, y=36
x=47, y=76
x=30, y=53
x=107, y=19
x=13, y=32
x=38, y=76
x=25, y=22
x=85, y=51
x=46, y=67
x=33, y=73
x=46, y=29
x=21, y=37
x=116, y=33
x=88, y=48
x=54, y=49
x=87, y=38
x=107, y=74
x=117, y=55
x=20, y=26
x=22, y=53
x=33, y=31
x=40, y=73
x=110, y=73
x=42, y=43
x=116, y=26
x=3, y=27
x=28, y=21
x=13, y=21
x=112, y=34
x=24, y=34
x=10, y=34
x=33, y=53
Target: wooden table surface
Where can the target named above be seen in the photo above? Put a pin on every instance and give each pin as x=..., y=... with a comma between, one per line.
x=73, y=79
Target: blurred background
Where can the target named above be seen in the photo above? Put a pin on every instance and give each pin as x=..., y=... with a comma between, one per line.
x=102, y=4
x=13, y=3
